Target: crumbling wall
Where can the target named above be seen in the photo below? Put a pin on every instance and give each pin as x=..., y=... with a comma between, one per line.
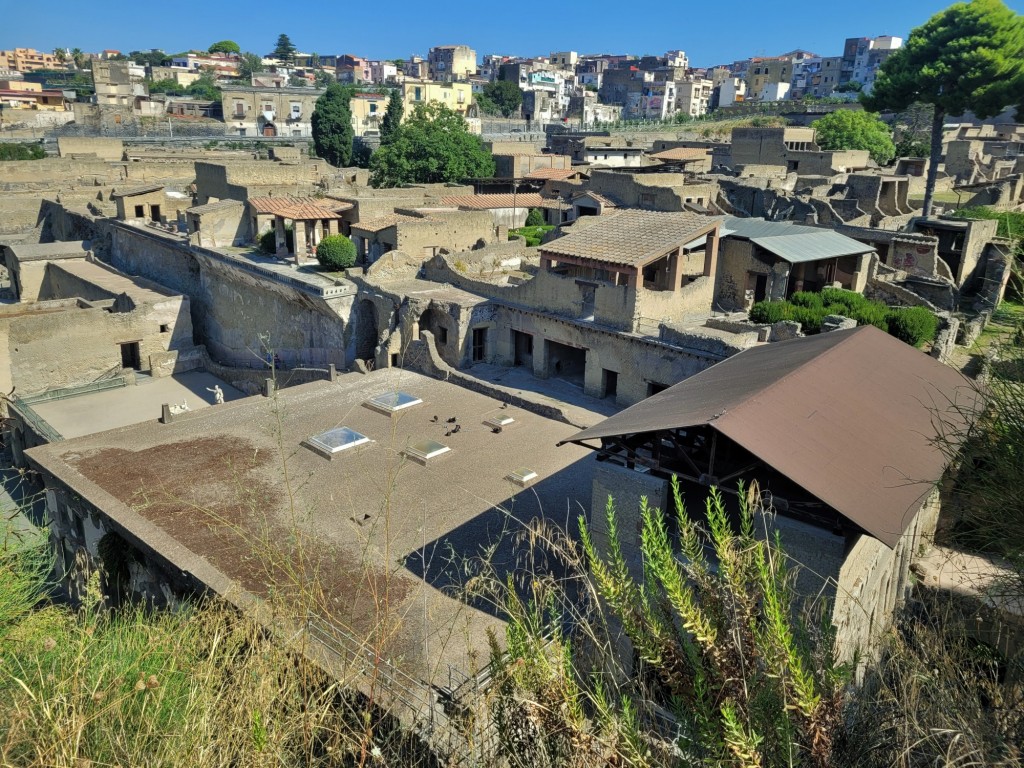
x=103, y=148
x=77, y=346
x=874, y=581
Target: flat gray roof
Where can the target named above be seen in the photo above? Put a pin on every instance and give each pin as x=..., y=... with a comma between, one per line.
x=208, y=493
x=792, y=242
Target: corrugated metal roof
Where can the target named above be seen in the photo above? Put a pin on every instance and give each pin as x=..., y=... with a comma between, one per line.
x=792, y=242
x=850, y=416
x=810, y=246
x=631, y=237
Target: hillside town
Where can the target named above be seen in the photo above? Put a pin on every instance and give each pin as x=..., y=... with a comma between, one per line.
x=524, y=403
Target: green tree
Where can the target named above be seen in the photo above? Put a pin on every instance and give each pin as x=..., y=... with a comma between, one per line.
x=849, y=129
x=248, y=65
x=284, y=50
x=332, y=126
x=323, y=79
x=336, y=252
x=60, y=54
x=967, y=57
x=167, y=85
x=851, y=86
x=392, y=121
x=505, y=95
x=150, y=58
x=535, y=218
x=225, y=46
x=205, y=88
x=78, y=56
x=433, y=146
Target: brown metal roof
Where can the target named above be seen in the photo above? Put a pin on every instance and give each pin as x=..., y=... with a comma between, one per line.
x=850, y=416
x=631, y=237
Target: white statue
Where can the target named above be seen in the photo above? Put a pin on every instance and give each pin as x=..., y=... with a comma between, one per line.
x=218, y=394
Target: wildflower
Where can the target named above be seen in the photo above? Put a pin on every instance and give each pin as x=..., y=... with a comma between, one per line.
x=152, y=682
x=98, y=696
x=49, y=644
x=375, y=753
x=140, y=684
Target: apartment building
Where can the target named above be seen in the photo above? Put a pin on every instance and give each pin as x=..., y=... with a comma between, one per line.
x=451, y=63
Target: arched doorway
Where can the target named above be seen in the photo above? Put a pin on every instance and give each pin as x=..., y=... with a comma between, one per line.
x=269, y=130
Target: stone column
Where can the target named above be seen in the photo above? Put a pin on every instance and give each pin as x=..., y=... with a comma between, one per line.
x=711, y=254
x=280, y=238
x=300, y=240
x=675, y=270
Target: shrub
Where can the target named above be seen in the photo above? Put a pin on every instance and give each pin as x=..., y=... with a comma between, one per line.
x=535, y=218
x=21, y=152
x=914, y=325
x=771, y=312
x=336, y=252
x=268, y=241
x=806, y=299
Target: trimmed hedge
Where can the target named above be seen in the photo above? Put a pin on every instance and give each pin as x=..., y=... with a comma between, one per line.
x=913, y=325
x=336, y=252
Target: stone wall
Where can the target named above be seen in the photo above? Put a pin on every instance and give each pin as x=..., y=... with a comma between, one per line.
x=102, y=148
x=77, y=346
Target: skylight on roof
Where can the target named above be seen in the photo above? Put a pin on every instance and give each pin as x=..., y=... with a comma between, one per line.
x=499, y=421
x=391, y=402
x=522, y=476
x=334, y=441
x=425, y=450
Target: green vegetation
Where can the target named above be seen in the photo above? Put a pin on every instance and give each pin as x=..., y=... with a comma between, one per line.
x=854, y=129
x=914, y=325
x=532, y=234
x=12, y=151
x=725, y=655
x=268, y=240
x=204, y=87
x=332, y=126
x=535, y=218
x=967, y=57
x=225, y=46
x=433, y=146
x=392, y=121
x=1011, y=223
x=249, y=64
x=284, y=50
x=336, y=252
x=501, y=97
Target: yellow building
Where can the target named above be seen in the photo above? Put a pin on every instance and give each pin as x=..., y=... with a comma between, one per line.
x=19, y=94
x=458, y=97
x=368, y=111
x=28, y=60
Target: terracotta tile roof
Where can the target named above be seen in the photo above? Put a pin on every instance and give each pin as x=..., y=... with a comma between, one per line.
x=485, y=202
x=682, y=153
x=271, y=205
x=607, y=202
x=378, y=223
x=305, y=212
x=552, y=173
x=631, y=237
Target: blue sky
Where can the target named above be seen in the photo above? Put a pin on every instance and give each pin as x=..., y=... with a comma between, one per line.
x=710, y=32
